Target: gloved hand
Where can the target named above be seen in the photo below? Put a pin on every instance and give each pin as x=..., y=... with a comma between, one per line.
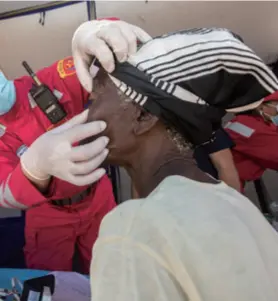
x=53, y=153
x=93, y=38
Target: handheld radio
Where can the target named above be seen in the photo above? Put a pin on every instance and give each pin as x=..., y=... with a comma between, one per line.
x=45, y=99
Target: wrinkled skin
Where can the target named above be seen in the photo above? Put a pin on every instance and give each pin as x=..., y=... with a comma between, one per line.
x=124, y=120
x=138, y=140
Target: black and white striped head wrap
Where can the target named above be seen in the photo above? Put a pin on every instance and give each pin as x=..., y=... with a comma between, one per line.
x=190, y=78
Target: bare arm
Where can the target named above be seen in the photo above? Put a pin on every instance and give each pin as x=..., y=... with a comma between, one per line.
x=227, y=172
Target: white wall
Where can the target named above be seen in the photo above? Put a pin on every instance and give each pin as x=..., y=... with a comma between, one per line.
x=23, y=38
x=256, y=21
x=8, y=6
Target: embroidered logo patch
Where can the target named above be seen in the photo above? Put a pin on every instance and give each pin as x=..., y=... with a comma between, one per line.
x=21, y=150
x=2, y=130
x=66, y=67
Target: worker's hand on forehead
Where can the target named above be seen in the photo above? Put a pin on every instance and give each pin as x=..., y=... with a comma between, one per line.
x=97, y=38
x=54, y=153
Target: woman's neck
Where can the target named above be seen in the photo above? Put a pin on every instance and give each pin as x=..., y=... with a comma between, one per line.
x=151, y=166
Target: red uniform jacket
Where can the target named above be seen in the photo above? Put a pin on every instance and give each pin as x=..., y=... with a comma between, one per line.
x=26, y=122
x=256, y=146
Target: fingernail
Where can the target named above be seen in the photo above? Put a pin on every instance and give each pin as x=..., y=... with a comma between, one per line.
x=110, y=68
x=105, y=152
x=106, y=140
x=101, y=172
x=88, y=87
x=123, y=59
x=102, y=125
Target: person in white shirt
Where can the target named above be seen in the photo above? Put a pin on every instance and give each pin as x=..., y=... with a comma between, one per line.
x=187, y=236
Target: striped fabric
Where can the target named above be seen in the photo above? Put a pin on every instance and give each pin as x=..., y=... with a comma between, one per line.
x=191, y=77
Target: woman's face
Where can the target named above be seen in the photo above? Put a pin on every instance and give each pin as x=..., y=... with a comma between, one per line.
x=108, y=105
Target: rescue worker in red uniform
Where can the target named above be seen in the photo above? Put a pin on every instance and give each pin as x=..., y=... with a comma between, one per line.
x=255, y=134
x=45, y=168
x=72, y=214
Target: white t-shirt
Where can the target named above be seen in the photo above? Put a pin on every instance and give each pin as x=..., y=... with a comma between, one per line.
x=186, y=241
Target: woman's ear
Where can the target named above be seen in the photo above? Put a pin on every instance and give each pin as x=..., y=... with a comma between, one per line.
x=143, y=122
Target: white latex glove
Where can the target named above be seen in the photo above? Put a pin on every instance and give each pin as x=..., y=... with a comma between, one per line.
x=52, y=154
x=93, y=38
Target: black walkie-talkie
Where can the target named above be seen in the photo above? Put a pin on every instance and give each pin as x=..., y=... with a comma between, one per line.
x=45, y=98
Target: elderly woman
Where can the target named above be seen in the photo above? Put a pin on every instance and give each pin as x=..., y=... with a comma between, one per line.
x=187, y=236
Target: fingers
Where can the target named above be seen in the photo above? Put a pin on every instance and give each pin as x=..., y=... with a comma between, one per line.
x=88, y=179
x=89, y=150
x=86, y=167
x=120, y=36
x=131, y=41
x=103, y=53
x=83, y=74
x=83, y=131
x=141, y=35
x=114, y=37
x=125, y=38
x=76, y=120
